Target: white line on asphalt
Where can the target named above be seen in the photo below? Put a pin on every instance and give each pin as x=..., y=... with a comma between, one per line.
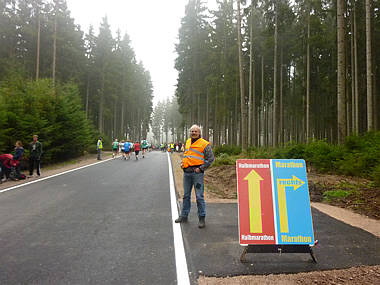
x=179, y=249
x=51, y=176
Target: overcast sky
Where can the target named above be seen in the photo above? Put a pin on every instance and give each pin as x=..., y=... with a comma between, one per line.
x=153, y=29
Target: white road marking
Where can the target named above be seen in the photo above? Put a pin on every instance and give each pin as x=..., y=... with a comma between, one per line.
x=51, y=176
x=179, y=249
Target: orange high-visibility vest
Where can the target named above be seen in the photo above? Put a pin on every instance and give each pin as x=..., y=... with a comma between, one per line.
x=194, y=153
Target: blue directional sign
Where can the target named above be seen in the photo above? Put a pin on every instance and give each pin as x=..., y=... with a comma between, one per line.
x=294, y=223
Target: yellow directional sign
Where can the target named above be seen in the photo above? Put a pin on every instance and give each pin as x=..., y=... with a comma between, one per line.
x=294, y=182
x=256, y=225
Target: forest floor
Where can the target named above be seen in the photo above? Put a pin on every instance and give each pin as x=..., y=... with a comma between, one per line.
x=359, y=206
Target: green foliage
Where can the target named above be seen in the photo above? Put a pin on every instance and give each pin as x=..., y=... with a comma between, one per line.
x=263, y=153
x=375, y=175
x=72, y=131
x=224, y=159
x=54, y=113
x=361, y=155
x=294, y=151
x=227, y=149
x=358, y=156
x=322, y=155
x=335, y=194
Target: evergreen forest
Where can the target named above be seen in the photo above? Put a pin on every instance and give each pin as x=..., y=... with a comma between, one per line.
x=253, y=73
x=268, y=72
x=66, y=85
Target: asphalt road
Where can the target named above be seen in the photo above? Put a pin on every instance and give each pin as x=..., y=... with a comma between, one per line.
x=109, y=223
x=215, y=251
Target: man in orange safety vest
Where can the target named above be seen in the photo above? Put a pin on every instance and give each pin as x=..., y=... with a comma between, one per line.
x=198, y=157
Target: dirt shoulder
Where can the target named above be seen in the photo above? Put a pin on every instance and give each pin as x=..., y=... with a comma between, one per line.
x=360, y=209
x=352, y=276
x=213, y=194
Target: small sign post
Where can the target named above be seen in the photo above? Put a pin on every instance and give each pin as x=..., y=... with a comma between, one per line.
x=274, y=206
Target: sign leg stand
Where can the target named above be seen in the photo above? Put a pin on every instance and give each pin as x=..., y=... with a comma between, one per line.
x=242, y=256
x=312, y=255
x=285, y=248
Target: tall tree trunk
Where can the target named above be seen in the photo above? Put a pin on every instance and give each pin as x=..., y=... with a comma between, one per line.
x=236, y=118
x=38, y=44
x=122, y=121
x=275, y=116
x=54, y=46
x=369, y=65
x=353, y=108
x=230, y=128
x=252, y=122
x=262, y=103
x=342, y=128
x=374, y=91
x=294, y=115
x=138, y=125
x=122, y=128
x=243, y=109
x=206, y=126
x=308, y=78
x=281, y=107
x=348, y=117
x=250, y=79
x=270, y=124
x=215, y=133
x=356, y=74
x=254, y=107
x=114, y=128
x=198, y=108
x=100, y=118
x=87, y=94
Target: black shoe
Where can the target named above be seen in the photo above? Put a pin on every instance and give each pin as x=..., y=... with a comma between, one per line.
x=181, y=219
x=202, y=222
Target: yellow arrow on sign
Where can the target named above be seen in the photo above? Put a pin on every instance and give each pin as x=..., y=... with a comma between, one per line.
x=294, y=182
x=256, y=225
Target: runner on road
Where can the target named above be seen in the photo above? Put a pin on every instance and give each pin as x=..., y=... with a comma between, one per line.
x=126, y=150
x=99, y=147
x=144, y=145
x=121, y=149
x=115, y=147
x=137, y=147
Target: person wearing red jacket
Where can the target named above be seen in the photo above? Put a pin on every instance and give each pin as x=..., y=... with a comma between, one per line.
x=137, y=148
x=5, y=165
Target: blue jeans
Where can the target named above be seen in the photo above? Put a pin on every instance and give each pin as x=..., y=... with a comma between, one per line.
x=196, y=180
